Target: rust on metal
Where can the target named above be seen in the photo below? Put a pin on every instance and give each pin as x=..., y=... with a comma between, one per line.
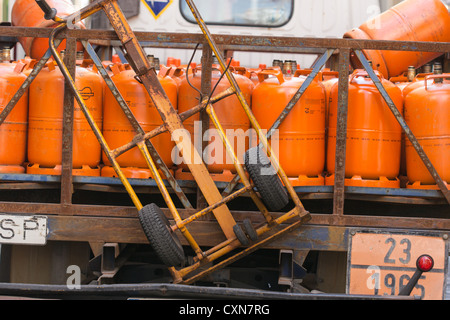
x=137, y=127
x=341, y=133
x=67, y=134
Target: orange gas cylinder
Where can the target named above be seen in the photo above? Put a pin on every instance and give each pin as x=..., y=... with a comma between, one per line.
x=231, y=116
x=118, y=131
x=26, y=13
x=13, y=131
x=46, y=122
x=329, y=79
x=428, y=115
x=411, y=20
x=301, y=137
x=402, y=82
x=373, y=134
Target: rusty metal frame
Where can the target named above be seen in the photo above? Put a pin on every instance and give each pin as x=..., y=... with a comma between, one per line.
x=172, y=121
x=345, y=47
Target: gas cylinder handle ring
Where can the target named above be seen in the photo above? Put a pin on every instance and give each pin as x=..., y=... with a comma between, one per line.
x=360, y=73
x=434, y=77
x=265, y=73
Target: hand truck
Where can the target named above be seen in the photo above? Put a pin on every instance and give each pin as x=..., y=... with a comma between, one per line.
x=274, y=193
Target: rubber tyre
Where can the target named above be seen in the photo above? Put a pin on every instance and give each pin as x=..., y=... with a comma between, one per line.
x=161, y=237
x=269, y=185
x=250, y=230
x=240, y=235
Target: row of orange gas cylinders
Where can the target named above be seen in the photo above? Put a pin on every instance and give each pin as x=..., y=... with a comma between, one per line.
x=32, y=134
x=306, y=140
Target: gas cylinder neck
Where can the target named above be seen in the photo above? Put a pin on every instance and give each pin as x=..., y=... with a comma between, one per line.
x=154, y=62
x=437, y=69
x=277, y=63
x=289, y=67
x=411, y=73
x=151, y=59
x=427, y=68
x=80, y=55
x=5, y=55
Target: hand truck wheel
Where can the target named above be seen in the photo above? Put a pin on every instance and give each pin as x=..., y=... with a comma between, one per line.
x=240, y=235
x=250, y=230
x=266, y=179
x=163, y=240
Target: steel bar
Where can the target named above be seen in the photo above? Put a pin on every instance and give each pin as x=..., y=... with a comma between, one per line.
x=284, y=114
x=163, y=128
x=246, y=251
x=341, y=133
x=238, y=165
x=137, y=127
x=423, y=156
x=205, y=90
x=138, y=61
x=93, y=7
x=89, y=118
x=180, y=224
x=275, y=162
x=120, y=224
x=247, y=43
x=231, y=244
x=167, y=291
x=67, y=127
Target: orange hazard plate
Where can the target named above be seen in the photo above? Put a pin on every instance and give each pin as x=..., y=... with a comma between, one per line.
x=383, y=263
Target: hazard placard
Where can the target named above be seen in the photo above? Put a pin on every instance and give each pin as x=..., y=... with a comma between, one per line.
x=383, y=263
x=157, y=7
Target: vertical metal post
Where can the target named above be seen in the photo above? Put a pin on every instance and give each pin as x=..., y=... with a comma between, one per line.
x=67, y=134
x=341, y=133
x=207, y=60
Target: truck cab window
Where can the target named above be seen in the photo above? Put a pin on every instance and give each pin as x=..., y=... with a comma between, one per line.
x=262, y=13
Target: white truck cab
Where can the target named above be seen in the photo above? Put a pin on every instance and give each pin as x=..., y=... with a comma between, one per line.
x=290, y=18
